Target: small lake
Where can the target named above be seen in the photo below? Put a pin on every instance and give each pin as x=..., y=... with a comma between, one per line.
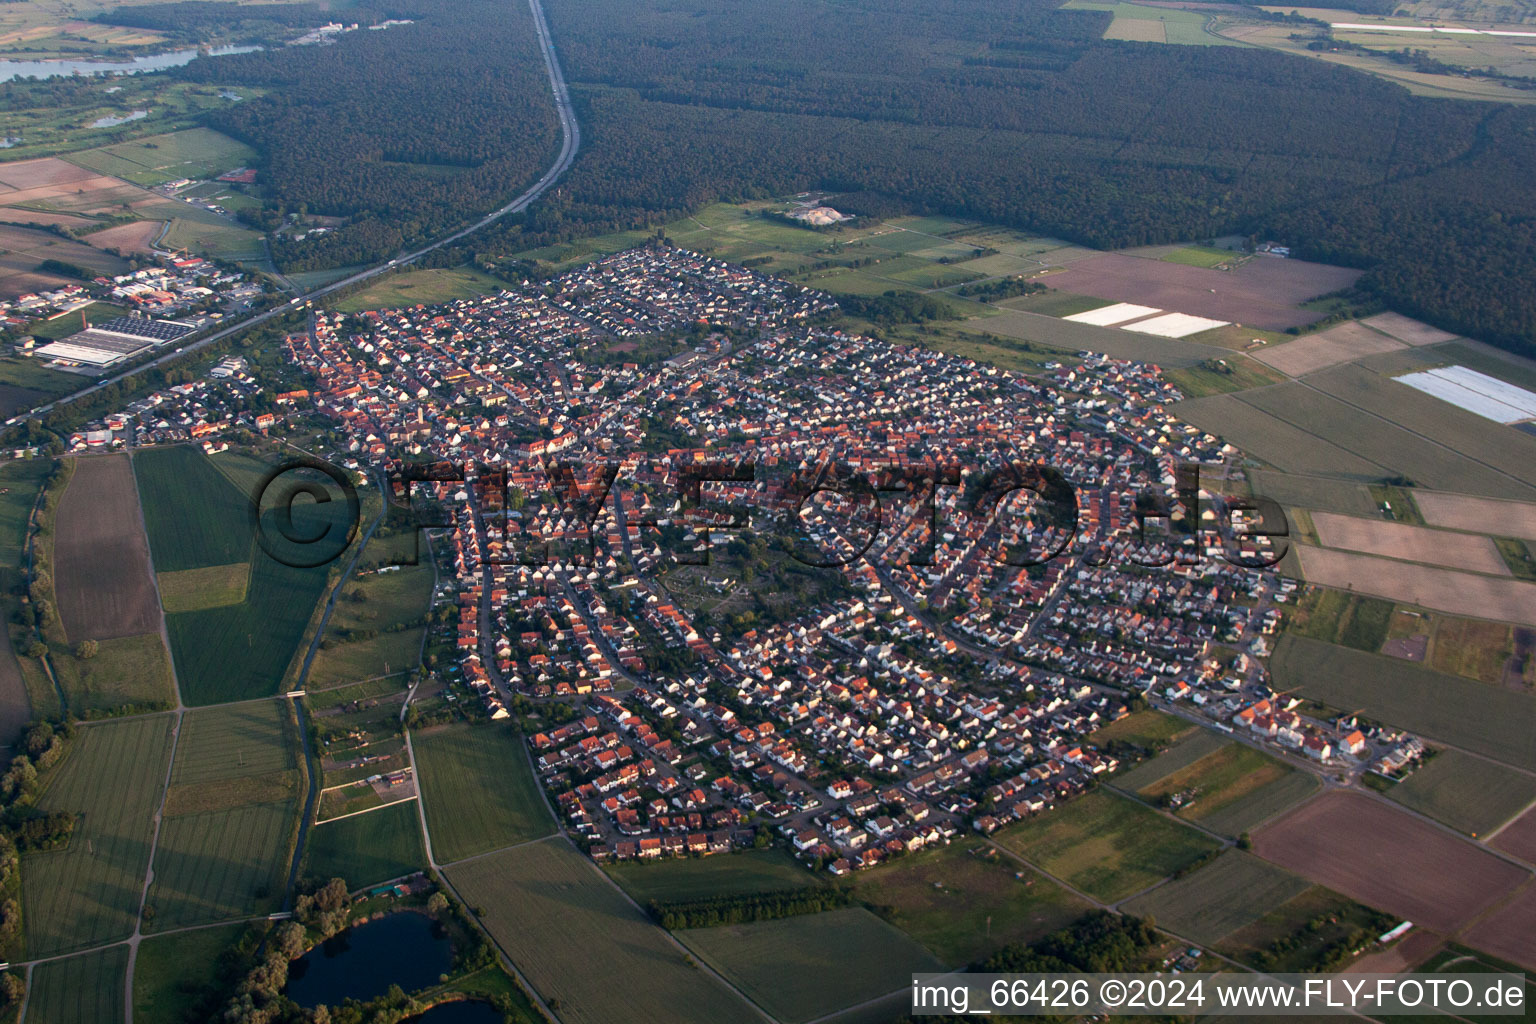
x=113, y=122
x=404, y=948
x=465, y=1011
x=10, y=69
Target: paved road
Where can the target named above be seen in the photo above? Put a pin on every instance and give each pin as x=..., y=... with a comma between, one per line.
x=570, y=142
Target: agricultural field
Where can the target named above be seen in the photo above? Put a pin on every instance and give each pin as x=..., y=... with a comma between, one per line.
x=1408, y=867
x=479, y=790
x=966, y=900
x=89, y=987
x=1510, y=931
x=1220, y=376
x=1343, y=343
x=366, y=849
x=101, y=560
x=1152, y=730
x=129, y=671
x=1465, y=792
x=1241, y=813
x=1107, y=846
x=1218, y=780
x=1191, y=748
x=1472, y=648
x=193, y=153
x=420, y=287
x=88, y=893
x=801, y=968
x=1231, y=892
x=173, y=972
x=1340, y=618
x=1478, y=515
x=690, y=878
x=1162, y=25
x=1518, y=837
x=213, y=586
x=231, y=816
x=378, y=624
x=1069, y=337
x=1503, y=598
x=556, y=915
x=194, y=517
x=1409, y=543
x=1304, y=926
x=23, y=250
x=1485, y=720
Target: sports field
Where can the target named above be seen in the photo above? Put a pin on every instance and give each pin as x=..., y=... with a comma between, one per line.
x=89, y=892
x=1465, y=792
x=966, y=900
x=690, y=878
x=801, y=968
x=1486, y=720
x=366, y=848
x=89, y=987
x=101, y=559
x=1234, y=890
x=479, y=790
x=1106, y=845
x=578, y=940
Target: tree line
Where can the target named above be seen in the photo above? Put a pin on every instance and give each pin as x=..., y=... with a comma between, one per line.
x=744, y=908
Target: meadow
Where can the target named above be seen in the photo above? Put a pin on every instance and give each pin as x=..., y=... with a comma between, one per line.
x=420, y=287
x=88, y=893
x=1337, y=617
x=89, y=987
x=1151, y=730
x=1485, y=720
x=366, y=849
x=1236, y=816
x=801, y=968
x=23, y=687
x=556, y=916
x=1465, y=792
x=479, y=790
x=695, y=878
x=217, y=865
x=1105, y=845
x=965, y=900
x=192, y=153
x=1231, y=892
x=1218, y=780
x=364, y=637
x=173, y=972
x=1182, y=754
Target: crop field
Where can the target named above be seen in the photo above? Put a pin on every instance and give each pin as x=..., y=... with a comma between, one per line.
x=1313, y=492
x=1158, y=25
x=1070, y=337
x=213, y=586
x=1519, y=836
x=1231, y=892
x=1478, y=515
x=1219, y=779
x=1242, y=812
x=558, y=919
x=101, y=559
x=173, y=971
x=1340, y=618
x=801, y=968
x=1490, y=597
x=1409, y=543
x=23, y=250
x=1150, y=729
x=421, y=287
x=1408, y=867
x=1483, y=719
x=1465, y=792
x=216, y=865
x=218, y=744
x=1235, y=373
x=1472, y=648
x=1408, y=330
x=1181, y=755
x=1307, y=922
x=1510, y=931
x=204, y=231
x=88, y=987
x=89, y=892
x=1341, y=344
x=479, y=790
x=690, y=878
x=193, y=153
x=965, y=900
x=194, y=516
x=366, y=849
x=1107, y=846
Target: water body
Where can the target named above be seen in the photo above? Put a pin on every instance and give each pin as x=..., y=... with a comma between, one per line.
x=405, y=949
x=10, y=69
x=466, y=1011
x=113, y=122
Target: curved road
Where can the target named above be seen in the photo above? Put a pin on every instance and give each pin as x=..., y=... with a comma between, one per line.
x=570, y=142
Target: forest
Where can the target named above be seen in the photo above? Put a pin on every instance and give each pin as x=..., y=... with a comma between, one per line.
x=1012, y=112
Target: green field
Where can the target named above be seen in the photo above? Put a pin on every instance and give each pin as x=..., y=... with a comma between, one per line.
x=690, y=878
x=1231, y=892
x=1191, y=748
x=1304, y=927
x=88, y=893
x=194, y=517
x=1222, y=375
x=174, y=972
x=1218, y=780
x=421, y=287
x=965, y=900
x=1154, y=25
x=213, y=586
x=366, y=849
x=1486, y=720
x=479, y=790
x=1238, y=815
x=89, y=987
x=1465, y=792
x=363, y=638
x=1105, y=845
x=1151, y=730
x=801, y=968
x=1200, y=256
x=126, y=670
x=26, y=688
x=579, y=941
x=193, y=153
x=1340, y=618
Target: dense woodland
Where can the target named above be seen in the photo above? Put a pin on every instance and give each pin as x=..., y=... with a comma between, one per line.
x=1008, y=111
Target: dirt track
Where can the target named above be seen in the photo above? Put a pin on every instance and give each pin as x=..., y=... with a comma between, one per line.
x=101, y=560
x=1389, y=859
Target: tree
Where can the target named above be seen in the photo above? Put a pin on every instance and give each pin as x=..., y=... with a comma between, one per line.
x=436, y=904
x=86, y=649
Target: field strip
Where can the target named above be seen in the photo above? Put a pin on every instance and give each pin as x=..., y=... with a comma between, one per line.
x=365, y=810
x=1405, y=542
x=1501, y=599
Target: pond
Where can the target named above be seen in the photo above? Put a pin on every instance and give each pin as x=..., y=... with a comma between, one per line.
x=465, y=1011
x=10, y=69
x=113, y=122
x=405, y=949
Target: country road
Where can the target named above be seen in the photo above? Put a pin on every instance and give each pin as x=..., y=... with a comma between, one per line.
x=570, y=142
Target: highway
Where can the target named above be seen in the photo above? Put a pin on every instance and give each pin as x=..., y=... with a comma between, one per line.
x=570, y=142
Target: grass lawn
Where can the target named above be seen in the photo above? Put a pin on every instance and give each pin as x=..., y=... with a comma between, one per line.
x=89, y=987
x=1465, y=792
x=1106, y=845
x=173, y=973
x=800, y=968
x=1229, y=893
x=689, y=878
x=965, y=900
x=88, y=893
x=579, y=941
x=366, y=849
x=479, y=790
